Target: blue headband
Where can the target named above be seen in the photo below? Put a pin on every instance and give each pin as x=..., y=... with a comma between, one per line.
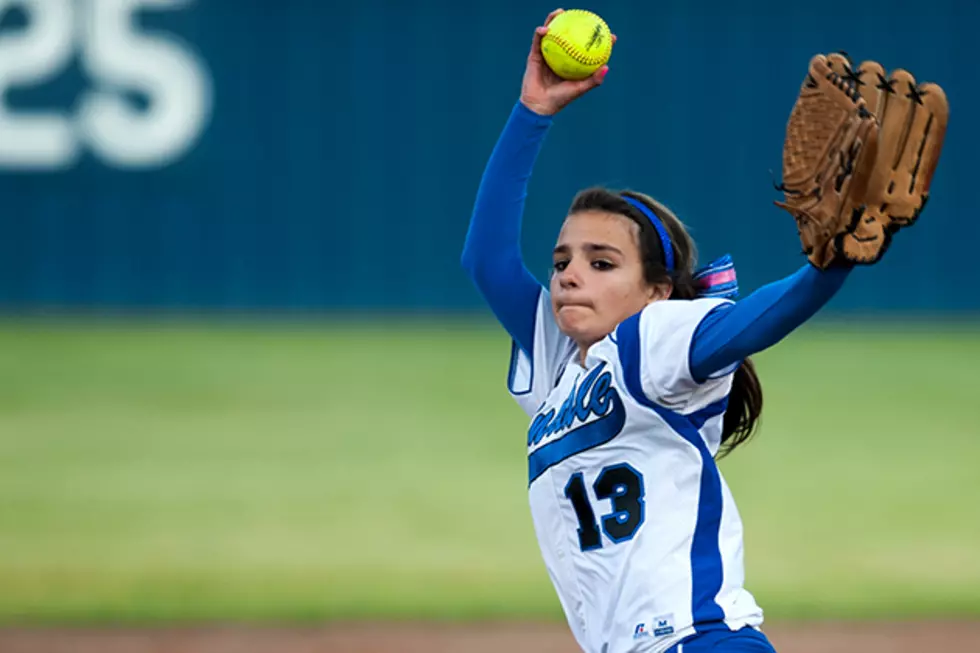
x=717, y=279
x=668, y=246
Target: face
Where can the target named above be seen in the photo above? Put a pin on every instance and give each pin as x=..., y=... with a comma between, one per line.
x=597, y=280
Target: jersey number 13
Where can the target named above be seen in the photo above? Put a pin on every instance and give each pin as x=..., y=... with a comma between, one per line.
x=623, y=486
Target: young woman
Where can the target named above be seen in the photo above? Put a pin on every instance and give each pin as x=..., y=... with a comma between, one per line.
x=634, y=371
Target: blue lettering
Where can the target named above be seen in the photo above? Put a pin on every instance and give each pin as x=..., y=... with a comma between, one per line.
x=599, y=401
x=567, y=415
x=592, y=397
x=581, y=405
x=539, y=427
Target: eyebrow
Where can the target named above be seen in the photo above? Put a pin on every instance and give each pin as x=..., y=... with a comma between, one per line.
x=589, y=247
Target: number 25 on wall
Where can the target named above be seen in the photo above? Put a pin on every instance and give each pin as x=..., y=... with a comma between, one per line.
x=115, y=58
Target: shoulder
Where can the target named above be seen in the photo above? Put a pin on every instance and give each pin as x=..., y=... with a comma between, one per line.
x=679, y=311
x=654, y=347
x=670, y=320
x=533, y=374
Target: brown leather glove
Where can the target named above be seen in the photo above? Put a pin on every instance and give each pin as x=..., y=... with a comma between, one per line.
x=828, y=158
x=912, y=122
x=860, y=152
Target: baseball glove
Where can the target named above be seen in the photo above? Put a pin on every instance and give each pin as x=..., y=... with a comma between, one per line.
x=912, y=121
x=828, y=160
x=860, y=153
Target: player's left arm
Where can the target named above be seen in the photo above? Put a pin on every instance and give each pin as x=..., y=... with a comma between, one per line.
x=681, y=354
x=733, y=331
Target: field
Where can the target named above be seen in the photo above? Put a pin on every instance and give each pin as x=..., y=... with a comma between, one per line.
x=188, y=474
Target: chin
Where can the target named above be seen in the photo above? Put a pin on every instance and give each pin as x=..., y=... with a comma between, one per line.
x=580, y=328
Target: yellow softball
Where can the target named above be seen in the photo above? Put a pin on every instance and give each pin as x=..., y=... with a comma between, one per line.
x=577, y=44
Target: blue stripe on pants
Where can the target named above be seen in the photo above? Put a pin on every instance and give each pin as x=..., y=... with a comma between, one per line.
x=746, y=640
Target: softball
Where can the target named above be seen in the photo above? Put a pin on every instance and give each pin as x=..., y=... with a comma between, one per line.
x=577, y=44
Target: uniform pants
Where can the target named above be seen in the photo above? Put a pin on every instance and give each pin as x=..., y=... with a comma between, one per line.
x=746, y=640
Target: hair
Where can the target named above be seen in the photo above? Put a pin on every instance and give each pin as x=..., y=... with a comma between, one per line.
x=745, y=402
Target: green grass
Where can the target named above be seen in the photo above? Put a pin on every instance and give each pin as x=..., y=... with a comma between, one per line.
x=227, y=472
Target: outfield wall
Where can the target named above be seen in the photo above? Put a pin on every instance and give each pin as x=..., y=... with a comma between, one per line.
x=324, y=155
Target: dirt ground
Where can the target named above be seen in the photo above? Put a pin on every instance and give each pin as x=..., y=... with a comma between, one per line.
x=484, y=638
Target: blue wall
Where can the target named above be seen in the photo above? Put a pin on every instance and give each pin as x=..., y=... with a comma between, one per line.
x=340, y=147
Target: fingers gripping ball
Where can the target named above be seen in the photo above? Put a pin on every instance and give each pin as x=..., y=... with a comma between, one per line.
x=577, y=44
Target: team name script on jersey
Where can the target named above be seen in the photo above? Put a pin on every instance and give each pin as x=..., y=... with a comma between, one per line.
x=595, y=396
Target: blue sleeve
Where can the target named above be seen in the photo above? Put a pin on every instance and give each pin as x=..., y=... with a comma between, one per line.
x=492, y=251
x=732, y=332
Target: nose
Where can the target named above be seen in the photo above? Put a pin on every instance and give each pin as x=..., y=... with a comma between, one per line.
x=569, y=278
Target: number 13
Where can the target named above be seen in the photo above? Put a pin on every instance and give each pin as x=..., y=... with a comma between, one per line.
x=624, y=486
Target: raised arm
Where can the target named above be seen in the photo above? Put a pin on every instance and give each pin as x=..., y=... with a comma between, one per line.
x=492, y=253
x=732, y=332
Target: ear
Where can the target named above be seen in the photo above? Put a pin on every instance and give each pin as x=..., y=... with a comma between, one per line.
x=660, y=291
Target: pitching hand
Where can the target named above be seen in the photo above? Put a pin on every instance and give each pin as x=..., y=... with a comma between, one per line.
x=544, y=92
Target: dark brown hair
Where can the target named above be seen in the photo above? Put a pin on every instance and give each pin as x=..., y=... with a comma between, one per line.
x=745, y=400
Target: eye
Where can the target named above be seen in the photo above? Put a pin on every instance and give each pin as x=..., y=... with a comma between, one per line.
x=560, y=265
x=602, y=265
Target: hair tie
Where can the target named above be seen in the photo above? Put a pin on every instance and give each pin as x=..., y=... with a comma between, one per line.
x=717, y=279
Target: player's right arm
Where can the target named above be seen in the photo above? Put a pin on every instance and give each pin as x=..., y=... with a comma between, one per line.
x=491, y=254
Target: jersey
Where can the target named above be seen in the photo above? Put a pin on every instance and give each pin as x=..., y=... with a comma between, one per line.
x=637, y=528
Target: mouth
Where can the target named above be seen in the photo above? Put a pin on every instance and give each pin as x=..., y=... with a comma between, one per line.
x=564, y=305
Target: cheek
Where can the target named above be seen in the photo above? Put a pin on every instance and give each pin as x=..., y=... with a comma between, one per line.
x=620, y=287
x=623, y=297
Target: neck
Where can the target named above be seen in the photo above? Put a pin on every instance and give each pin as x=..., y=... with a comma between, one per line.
x=583, y=350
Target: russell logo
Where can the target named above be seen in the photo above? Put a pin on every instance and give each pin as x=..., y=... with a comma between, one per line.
x=662, y=626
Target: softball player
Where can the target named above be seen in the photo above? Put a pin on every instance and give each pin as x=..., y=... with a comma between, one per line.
x=634, y=371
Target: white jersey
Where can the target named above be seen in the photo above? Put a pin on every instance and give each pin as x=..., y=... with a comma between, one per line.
x=637, y=528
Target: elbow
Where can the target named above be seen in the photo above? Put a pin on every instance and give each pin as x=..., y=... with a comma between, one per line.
x=475, y=265
x=469, y=261
x=488, y=269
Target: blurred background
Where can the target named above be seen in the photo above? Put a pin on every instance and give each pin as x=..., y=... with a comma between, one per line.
x=243, y=376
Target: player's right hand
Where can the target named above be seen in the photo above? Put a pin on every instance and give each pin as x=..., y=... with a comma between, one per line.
x=544, y=92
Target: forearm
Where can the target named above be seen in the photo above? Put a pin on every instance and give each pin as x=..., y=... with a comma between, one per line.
x=733, y=332
x=491, y=254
